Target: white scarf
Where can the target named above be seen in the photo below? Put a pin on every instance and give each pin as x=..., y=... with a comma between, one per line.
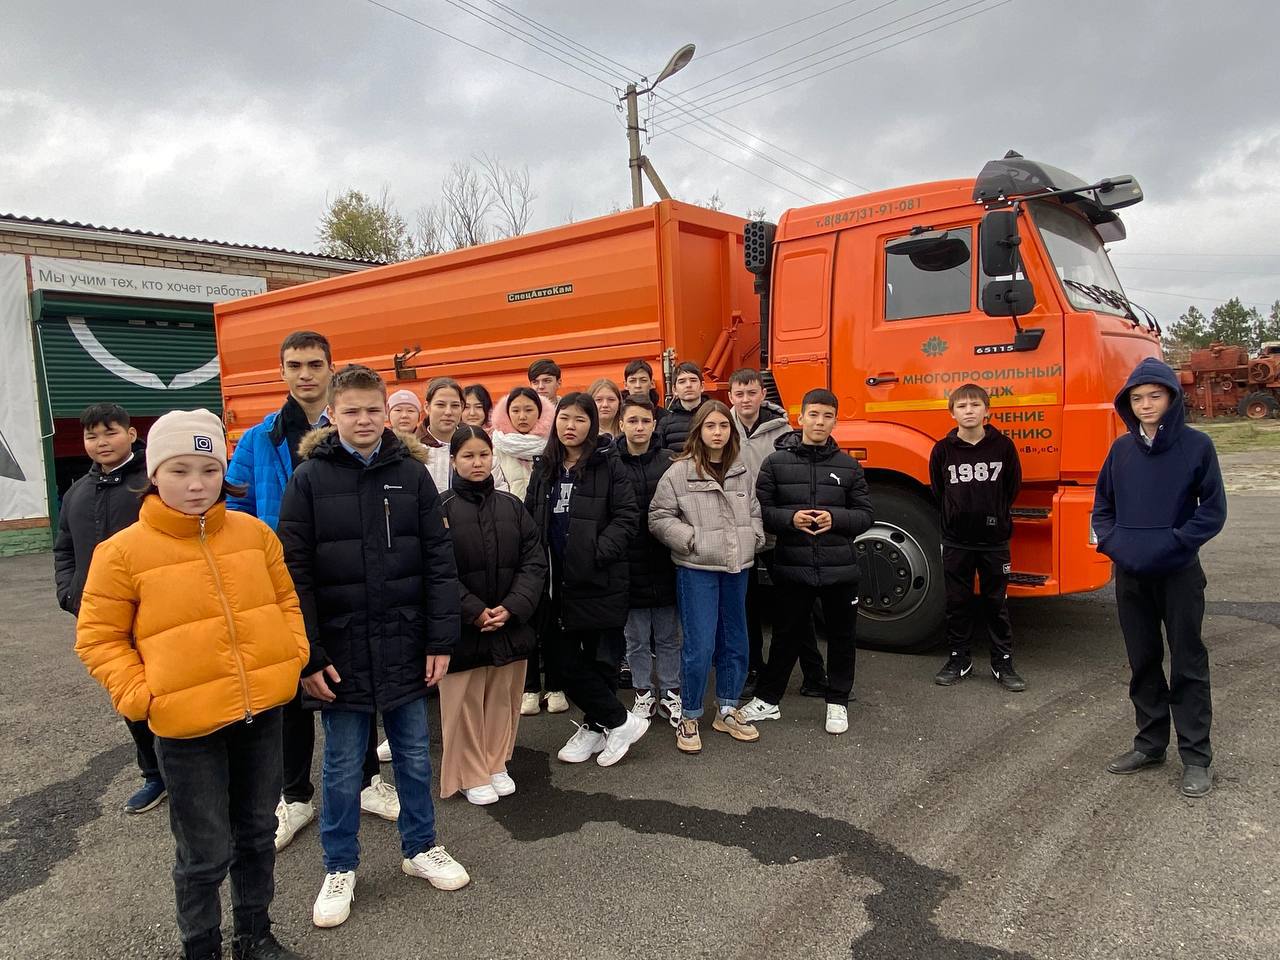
x=522, y=446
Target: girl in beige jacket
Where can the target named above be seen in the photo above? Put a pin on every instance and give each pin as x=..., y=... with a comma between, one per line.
x=705, y=510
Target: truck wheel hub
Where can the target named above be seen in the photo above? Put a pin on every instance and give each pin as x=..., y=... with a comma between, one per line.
x=894, y=574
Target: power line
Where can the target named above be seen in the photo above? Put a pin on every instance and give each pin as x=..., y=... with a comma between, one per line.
x=743, y=169
x=626, y=71
x=1210, y=299
x=845, y=63
x=487, y=53
x=796, y=43
x=738, y=43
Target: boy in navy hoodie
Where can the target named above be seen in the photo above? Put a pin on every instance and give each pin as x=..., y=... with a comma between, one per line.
x=1159, y=499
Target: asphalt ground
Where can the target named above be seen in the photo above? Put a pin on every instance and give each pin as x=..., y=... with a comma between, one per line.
x=960, y=822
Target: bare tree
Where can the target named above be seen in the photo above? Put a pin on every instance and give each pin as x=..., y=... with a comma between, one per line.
x=466, y=202
x=429, y=232
x=511, y=193
x=757, y=213
x=712, y=202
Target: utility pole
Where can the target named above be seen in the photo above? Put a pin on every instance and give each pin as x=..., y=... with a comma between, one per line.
x=638, y=162
x=633, y=141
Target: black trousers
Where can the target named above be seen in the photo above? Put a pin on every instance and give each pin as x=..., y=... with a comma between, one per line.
x=299, y=746
x=145, y=742
x=540, y=660
x=988, y=607
x=1175, y=600
x=223, y=790
x=793, y=633
x=586, y=662
x=810, y=658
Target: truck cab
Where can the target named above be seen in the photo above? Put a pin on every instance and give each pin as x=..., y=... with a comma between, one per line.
x=894, y=299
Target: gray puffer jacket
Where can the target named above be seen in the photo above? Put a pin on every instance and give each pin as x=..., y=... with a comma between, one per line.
x=707, y=526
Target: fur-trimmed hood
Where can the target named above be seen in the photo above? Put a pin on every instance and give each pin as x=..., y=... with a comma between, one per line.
x=501, y=422
x=323, y=441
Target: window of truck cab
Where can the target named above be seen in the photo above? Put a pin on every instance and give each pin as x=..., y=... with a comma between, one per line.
x=915, y=288
x=1077, y=254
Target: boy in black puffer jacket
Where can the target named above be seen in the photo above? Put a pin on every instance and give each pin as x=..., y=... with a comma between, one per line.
x=652, y=631
x=673, y=430
x=814, y=499
x=376, y=578
x=975, y=474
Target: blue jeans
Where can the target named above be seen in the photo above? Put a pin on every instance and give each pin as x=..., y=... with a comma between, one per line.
x=713, y=613
x=653, y=648
x=346, y=736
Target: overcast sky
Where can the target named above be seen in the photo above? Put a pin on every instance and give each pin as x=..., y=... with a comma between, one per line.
x=235, y=120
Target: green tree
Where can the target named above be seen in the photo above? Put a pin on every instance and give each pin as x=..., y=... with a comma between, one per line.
x=358, y=226
x=1268, y=327
x=1232, y=322
x=1190, y=330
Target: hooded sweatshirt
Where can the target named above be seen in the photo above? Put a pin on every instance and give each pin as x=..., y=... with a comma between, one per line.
x=1156, y=504
x=976, y=483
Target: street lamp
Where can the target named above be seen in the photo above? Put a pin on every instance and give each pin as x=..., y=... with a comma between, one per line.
x=637, y=161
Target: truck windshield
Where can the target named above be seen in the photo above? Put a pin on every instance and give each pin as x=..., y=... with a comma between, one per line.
x=1083, y=267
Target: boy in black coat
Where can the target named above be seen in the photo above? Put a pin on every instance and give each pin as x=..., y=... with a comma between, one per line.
x=1159, y=499
x=98, y=505
x=652, y=631
x=673, y=430
x=975, y=474
x=814, y=499
x=376, y=578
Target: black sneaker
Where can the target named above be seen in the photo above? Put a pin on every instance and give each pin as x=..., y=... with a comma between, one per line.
x=265, y=947
x=813, y=688
x=1007, y=677
x=749, y=687
x=953, y=671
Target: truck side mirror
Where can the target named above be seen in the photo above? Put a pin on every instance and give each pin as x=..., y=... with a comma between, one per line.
x=1115, y=193
x=1008, y=298
x=998, y=242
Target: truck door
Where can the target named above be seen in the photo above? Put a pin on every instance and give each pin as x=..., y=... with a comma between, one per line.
x=927, y=335
x=801, y=338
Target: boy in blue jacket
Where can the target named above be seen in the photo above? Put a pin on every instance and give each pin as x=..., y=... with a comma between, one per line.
x=1159, y=499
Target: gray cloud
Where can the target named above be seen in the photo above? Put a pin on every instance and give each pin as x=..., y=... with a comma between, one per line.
x=234, y=122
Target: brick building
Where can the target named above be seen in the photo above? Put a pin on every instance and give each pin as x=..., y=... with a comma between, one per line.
x=93, y=313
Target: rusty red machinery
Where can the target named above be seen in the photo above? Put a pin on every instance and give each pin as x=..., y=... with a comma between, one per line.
x=1223, y=380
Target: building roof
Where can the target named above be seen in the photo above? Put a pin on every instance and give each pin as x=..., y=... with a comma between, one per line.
x=9, y=219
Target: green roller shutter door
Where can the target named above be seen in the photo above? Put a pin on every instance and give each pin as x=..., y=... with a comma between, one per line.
x=148, y=359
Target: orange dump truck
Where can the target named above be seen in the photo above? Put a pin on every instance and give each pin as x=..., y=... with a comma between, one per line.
x=891, y=300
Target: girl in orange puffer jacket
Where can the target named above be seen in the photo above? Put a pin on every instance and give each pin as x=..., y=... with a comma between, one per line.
x=190, y=620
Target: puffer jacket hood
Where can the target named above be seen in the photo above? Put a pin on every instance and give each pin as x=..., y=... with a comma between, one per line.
x=192, y=623
x=501, y=422
x=325, y=443
x=1174, y=420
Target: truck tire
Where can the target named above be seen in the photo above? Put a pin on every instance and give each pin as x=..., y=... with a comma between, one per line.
x=1259, y=405
x=901, y=590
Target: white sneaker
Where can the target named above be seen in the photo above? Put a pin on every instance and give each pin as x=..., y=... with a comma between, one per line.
x=670, y=707
x=837, y=718
x=380, y=798
x=482, y=795
x=584, y=743
x=758, y=710
x=557, y=702
x=530, y=705
x=618, y=740
x=384, y=751
x=645, y=705
x=503, y=784
x=333, y=905
x=438, y=869
x=290, y=818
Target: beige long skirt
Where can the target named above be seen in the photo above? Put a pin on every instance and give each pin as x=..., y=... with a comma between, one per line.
x=479, y=714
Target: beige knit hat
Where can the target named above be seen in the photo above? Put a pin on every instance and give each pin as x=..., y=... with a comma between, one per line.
x=404, y=396
x=181, y=433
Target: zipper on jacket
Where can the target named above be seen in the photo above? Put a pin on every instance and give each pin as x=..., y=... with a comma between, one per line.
x=231, y=624
x=386, y=509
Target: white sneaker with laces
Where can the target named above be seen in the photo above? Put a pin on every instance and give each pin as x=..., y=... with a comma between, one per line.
x=530, y=705
x=618, y=740
x=384, y=751
x=438, y=869
x=645, y=705
x=503, y=784
x=584, y=744
x=758, y=710
x=380, y=799
x=557, y=702
x=290, y=818
x=670, y=707
x=482, y=795
x=837, y=718
x=333, y=905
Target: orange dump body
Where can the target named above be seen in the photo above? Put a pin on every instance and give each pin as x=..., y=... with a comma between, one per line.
x=593, y=295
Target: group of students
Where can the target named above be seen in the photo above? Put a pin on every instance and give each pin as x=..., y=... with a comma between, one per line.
x=516, y=552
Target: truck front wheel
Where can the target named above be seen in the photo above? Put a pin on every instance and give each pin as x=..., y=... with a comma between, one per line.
x=900, y=588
